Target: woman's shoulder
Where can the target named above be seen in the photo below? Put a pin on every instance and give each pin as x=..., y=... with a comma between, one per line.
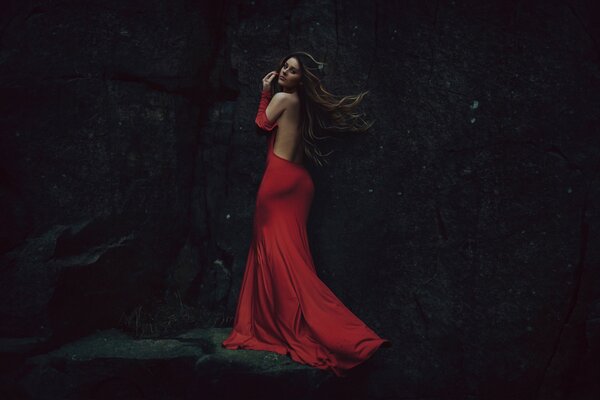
x=287, y=97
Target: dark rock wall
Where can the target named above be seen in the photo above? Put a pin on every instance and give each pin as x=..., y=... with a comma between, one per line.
x=101, y=104
x=464, y=227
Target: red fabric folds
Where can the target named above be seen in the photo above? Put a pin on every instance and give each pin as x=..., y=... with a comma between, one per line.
x=283, y=306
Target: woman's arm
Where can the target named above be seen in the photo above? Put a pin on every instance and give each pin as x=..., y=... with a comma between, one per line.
x=269, y=110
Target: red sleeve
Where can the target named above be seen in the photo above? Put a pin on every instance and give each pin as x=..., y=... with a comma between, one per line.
x=261, y=117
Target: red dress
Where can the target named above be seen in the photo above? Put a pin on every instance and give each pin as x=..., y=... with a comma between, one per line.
x=283, y=306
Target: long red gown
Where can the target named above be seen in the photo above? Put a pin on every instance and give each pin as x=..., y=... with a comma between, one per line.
x=283, y=306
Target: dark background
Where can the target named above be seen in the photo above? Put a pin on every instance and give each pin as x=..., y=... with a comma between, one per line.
x=464, y=227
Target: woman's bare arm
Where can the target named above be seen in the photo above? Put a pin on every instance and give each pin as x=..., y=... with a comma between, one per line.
x=277, y=106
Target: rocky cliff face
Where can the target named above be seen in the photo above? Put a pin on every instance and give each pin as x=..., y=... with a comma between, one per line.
x=464, y=228
x=102, y=105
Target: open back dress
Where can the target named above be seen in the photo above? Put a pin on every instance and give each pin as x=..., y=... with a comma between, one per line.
x=283, y=306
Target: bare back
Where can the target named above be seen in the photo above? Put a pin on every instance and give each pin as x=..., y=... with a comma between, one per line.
x=288, y=143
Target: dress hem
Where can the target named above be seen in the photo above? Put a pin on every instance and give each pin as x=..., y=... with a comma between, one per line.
x=251, y=343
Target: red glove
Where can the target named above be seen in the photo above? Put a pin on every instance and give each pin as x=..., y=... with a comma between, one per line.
x=261, y=117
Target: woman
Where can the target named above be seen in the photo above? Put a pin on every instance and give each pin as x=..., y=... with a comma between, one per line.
x=283, y=306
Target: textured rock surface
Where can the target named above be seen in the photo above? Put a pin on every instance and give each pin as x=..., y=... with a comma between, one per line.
x=99, y=138
x=110, y=364
x=464, y=228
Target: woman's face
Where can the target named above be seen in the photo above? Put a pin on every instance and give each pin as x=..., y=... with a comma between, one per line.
x=290, y=74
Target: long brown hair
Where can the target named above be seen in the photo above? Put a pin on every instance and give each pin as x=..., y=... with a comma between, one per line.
x=323, y=114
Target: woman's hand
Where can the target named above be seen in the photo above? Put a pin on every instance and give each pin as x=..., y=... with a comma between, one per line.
x=268, y=79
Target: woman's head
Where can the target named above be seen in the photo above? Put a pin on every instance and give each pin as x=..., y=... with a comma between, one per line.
x=321, y=111
x=296, y=70
x=290, y=75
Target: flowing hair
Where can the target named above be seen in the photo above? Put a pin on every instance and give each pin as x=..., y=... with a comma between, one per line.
x=323, y=114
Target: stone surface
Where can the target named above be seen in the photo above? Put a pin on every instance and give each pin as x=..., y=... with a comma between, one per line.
x=110, y=364
x=99, y=125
